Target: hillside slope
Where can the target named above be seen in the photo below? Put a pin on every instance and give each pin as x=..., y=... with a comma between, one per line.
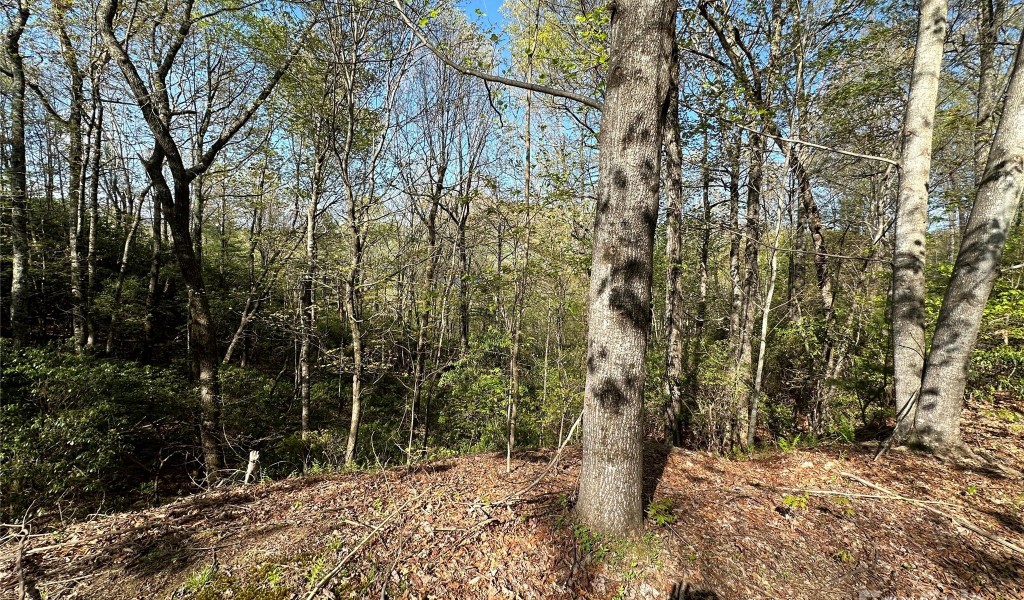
x=787, y=525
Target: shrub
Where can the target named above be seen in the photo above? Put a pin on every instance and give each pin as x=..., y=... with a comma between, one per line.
x=77, y=430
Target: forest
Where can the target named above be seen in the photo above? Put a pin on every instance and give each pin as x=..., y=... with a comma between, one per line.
x=561, y=254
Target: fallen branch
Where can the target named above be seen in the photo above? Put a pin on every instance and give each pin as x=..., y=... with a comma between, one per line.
x=511, y=498
x=955, y=518
x=815, y=492
x=337, y=569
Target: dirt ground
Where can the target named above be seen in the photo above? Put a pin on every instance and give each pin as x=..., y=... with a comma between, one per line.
x=827, y=522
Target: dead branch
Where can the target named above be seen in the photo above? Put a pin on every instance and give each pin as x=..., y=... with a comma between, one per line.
x=337, y=569
x=955, y=518
x=513, y=497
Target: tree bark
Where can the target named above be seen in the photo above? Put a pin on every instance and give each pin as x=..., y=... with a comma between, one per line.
x=632, y=130
x=937, y=419
x=307, y=306
x=153, y=289
x=908, y=282
x=19, y=183
x=96, y=130
x=674, y=258
x=76, y=166
x=743, y=376
x=989, y=21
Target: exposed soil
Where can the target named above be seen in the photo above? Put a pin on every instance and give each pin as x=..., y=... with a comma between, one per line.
x=784, y=525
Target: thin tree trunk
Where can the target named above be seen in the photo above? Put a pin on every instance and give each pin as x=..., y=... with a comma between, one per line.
x=464, y=274
x=122, y=268
x=94, y=216
x=76, y=167
x=19, y=183
x=766, y=309
x=519, y=302
x=201, y=325
x=353, y=309
x=674, y=258
x=632, y=130
x=908, y=283
x=736, y=281
x=153, y=289
x=425, y=313
x=696, y=352
x=307, y=307
x=743, y=382
x=937, y=419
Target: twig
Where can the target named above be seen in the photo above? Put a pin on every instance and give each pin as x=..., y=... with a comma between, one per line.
x=815, y=492
x=469, y=533
x=955, y=518
x=327, y=578
x=511, y=498
x=76, y=579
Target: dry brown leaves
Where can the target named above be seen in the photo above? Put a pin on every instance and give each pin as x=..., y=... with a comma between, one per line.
x=778, y=526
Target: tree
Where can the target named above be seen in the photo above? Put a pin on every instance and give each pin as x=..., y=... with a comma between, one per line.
x=154, y=101
x=908, y=282
x=18, y=174
x=936, y=421
x=630, y=141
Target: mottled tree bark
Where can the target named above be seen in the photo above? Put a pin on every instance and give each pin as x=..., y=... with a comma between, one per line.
x=632, y=130
x=990, y=19
x=76, y=166
x=936, y=421
x=908, y=283
x=19, y=183
x=674, y=367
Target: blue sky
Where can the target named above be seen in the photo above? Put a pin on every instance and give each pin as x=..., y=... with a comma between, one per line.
x=490, y=8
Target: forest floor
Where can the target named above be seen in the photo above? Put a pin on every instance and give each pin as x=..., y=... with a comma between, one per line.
x=826, y=522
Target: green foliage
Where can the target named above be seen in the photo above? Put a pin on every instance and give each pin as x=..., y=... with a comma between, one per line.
x=590, y=542
x=795, y=502
x=476, y=392
x=77, y=429
x=660, y=512
x=199, y=579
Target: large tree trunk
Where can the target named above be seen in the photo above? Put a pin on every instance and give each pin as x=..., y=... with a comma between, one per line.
x=908, y=284
x=19, y=184
x=937, y=419
x=632, y=129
